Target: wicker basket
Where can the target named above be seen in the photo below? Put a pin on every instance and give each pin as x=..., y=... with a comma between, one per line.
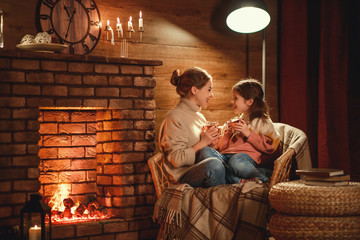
x=296, y=198
x=305, y=227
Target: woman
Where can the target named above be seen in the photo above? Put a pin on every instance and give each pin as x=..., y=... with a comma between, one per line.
x=182, y=134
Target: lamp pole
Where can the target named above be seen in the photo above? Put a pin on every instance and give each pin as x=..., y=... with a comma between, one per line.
x=264, y=62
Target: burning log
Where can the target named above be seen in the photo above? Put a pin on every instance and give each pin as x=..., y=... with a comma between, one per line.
x=89, y=203
x=68, y=203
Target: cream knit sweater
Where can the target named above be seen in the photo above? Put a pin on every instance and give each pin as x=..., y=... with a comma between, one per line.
x=180, y=131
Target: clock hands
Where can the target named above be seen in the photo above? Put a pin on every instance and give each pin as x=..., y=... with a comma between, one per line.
x=73, y=10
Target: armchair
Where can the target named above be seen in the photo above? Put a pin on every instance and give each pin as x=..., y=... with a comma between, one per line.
x=293, y=146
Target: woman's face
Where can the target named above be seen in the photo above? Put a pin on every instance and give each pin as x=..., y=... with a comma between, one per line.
x=202, y=96
x=240, y=105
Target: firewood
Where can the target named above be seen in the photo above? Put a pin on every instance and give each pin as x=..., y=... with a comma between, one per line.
x=68, y=203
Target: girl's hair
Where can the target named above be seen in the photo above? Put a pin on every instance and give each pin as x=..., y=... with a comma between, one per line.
x=252, y=88
x=194, y=76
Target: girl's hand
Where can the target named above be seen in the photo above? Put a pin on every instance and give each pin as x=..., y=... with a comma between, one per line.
x=241, y=127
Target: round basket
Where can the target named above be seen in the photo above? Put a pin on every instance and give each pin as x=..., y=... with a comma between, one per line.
x=296, y=198
x=304, y=227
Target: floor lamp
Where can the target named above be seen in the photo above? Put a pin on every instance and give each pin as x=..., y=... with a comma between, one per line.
x=249, y=16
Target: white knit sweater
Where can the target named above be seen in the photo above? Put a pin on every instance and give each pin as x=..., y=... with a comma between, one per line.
x=181, y=130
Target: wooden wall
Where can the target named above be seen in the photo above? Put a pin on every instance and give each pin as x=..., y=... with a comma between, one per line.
x=181, y=34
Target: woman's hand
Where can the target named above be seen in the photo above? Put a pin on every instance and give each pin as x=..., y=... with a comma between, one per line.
x=210, y=136
x=241, y=127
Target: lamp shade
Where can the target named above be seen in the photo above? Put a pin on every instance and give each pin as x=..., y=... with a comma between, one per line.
x=247, y=16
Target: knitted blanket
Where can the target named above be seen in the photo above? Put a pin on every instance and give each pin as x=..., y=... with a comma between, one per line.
x=291, y=137
x=221, y=212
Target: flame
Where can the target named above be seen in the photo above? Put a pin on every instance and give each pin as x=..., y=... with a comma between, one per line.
x=56, y=202
x=57, y=208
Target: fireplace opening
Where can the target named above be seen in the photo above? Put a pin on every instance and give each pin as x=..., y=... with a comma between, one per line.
x=82, y=172
x=68, y=164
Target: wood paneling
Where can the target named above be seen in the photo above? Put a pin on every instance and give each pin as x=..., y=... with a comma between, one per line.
x=181, y=35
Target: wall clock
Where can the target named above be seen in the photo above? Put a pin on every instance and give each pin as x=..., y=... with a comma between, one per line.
x=75, y=23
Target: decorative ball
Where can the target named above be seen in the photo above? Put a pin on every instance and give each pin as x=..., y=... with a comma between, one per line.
x=43, y=37
x=27, y=39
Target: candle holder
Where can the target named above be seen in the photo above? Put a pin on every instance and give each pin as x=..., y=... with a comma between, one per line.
x=141, y=30
x=35, y=219
x=124, y=48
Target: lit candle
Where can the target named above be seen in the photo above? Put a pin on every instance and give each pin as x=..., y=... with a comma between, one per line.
x=141, y=22
x=130, y=26
x=35, y=233
x=119, y=28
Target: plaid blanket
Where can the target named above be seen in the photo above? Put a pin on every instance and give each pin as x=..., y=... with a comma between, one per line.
x=236, y=211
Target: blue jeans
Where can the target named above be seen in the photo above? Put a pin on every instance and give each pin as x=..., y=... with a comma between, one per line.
x=238, y=166
x=209, y=172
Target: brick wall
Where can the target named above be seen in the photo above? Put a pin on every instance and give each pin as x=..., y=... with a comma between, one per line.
x=68, y=152
x=33, y=83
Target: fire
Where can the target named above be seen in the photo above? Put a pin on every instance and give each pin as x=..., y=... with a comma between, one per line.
x=56, y=202
x=64, y=210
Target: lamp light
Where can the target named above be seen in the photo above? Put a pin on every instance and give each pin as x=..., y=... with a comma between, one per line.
x=249, y=16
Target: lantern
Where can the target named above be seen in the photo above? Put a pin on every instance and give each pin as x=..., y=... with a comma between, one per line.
x=35, y=219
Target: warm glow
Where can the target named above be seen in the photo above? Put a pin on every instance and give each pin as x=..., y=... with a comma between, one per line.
x=118, y=20
x=108, y=22
x=248, y=20
x=130, y=19
x=56, y=202
x=140, y=14
x=61, y=215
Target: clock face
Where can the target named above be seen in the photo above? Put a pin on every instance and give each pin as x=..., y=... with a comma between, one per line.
x=74, y=22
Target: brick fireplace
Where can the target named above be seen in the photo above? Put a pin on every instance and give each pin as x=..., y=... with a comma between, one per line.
x=85, y=123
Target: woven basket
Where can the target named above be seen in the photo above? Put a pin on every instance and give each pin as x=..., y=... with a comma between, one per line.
x=304, y=227
x=296, y=198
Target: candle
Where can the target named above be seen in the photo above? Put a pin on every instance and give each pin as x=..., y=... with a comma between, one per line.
x=141, y=22
x=107, y=28
x=130, y=26
x=112, y=37
x=119, y=28
x=35, y=233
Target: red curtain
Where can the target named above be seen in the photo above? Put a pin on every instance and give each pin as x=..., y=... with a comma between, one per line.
x=319, y=72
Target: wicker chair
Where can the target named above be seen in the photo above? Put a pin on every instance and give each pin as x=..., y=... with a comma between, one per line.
x=291, y=139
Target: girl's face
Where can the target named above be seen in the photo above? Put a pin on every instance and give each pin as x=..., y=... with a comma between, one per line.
x=241, y=105
x=202, y=96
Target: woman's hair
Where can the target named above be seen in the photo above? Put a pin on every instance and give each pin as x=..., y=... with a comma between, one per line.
x=252, y=88
x=194, y=76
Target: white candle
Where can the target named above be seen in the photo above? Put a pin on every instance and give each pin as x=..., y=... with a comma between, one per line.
x=112, y=37
x=130, y=26
x=119, y=28
x=35, y=233
x=141, y=22
x=107, y=29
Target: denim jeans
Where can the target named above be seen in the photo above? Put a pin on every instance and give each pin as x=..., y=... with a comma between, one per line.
x=238, y=166
x=209, y=172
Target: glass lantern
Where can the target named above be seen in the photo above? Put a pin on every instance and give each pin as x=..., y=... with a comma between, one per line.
x=35, y=219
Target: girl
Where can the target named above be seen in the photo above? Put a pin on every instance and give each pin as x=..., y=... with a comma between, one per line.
x=245, y=138
x=182, y=134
